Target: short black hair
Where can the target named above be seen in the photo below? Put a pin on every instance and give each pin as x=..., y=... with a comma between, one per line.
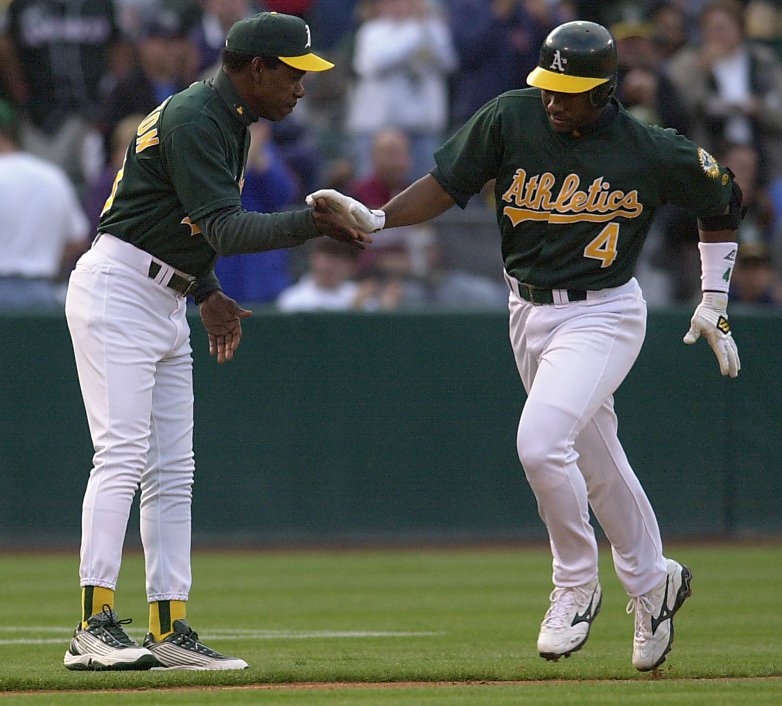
x=236, y=61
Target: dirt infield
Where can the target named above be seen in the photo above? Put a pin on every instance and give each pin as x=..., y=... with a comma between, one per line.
x=335, y=686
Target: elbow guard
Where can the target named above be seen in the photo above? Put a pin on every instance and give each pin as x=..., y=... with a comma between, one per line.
x=731, y=219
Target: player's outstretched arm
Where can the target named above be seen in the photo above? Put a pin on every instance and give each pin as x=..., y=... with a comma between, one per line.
x=222, y=320
x=420, y=202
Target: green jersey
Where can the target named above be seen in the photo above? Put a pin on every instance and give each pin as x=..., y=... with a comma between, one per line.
x=574, y=211
x=186, y=164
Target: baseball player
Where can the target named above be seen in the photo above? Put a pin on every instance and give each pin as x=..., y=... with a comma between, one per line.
x=174, y=208
x=577, y=183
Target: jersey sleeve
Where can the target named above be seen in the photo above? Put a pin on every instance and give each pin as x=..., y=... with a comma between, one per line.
x=195, y=158
x=692, y=178
x=471, y=157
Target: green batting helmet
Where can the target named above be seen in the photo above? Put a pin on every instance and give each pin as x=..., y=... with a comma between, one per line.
x=575, y=58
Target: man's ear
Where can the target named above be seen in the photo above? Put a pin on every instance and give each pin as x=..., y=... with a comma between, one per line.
x=257, y=68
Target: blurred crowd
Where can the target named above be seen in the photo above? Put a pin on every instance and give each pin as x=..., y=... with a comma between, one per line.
x=76, y=78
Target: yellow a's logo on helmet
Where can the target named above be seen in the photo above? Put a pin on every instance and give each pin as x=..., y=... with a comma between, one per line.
x=559, y=62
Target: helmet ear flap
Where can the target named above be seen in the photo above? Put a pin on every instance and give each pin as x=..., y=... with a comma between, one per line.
x=600, y=95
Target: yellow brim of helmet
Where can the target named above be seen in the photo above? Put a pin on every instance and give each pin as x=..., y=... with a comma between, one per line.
x=307, y=62
x=562, y=83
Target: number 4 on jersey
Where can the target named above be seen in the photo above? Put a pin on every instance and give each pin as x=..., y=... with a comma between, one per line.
x=603, y=246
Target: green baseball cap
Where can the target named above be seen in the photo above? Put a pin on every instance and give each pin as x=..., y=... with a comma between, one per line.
x=274, y=34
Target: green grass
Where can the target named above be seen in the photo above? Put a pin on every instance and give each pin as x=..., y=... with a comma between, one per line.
x=467, y=616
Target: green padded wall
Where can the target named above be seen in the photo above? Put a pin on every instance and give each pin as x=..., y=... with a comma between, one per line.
x=398, y=427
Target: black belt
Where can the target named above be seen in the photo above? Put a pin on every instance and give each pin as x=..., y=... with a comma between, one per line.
x=546, y=296
x=178, y=283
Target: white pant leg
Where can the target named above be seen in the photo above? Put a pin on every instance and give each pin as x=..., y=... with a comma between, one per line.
x=167, y=481
x=571, y=360
x=620, y=504
x=122, y=325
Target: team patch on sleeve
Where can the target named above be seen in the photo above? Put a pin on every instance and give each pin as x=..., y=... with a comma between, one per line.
x=708, y=163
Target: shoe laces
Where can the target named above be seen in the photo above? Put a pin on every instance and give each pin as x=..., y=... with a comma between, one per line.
x=643, y=608
x=107, y=620
x=189, y=640
x=559, y=614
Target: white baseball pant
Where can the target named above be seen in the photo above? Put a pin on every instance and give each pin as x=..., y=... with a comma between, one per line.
x=572, y=357
x=131, y=341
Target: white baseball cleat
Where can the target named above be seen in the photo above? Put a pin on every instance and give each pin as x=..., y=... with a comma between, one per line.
x=565, y=627
x=104, y=645
x=182, y=650
x=654, y=613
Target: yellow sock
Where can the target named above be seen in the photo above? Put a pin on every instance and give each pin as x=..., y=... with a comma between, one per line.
x=93, y=599
x=162, y=615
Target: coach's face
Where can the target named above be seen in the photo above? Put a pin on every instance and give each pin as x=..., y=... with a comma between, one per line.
x=275, y=91
x=568, y=111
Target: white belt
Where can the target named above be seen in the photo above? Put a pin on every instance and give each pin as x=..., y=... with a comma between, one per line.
x=144, y=263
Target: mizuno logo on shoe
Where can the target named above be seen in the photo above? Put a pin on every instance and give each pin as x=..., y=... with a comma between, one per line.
x=586, y=616
x=665, y=611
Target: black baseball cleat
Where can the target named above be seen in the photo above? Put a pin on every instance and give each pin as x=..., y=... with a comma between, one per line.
x=104, y=645
x=654, y=613
x=566, y=625
x=182, y=650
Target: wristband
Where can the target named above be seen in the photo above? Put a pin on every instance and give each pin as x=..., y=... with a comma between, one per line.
x=380, y=219
x=717, y=261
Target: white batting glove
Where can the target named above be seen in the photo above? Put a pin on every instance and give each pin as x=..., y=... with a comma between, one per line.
x=361, y=217
x=710, y=320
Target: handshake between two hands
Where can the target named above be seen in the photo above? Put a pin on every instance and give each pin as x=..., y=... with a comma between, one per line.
x=358, y=215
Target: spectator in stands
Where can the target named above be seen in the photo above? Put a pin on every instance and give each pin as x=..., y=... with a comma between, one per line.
x=732, y=88
x=757, y=225
x=403, y=57
x=99, y=189
x=755, y=281
x=13, y=87
x=670, y=30
x=300, y=8
x=404, y=270
x=269, y=186
x=43, y=229
x=63, y=50
x=329, y=284
x=390, y=174
x=163, y=53
x=334, y=21
x=642, y=85
x=405, y=267
x=391, y=161
x=497, y=42
x=763, y=23
x=210, y=32
x=295, y=141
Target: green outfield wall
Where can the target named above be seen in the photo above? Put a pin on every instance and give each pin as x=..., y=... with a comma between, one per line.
x=383, y=427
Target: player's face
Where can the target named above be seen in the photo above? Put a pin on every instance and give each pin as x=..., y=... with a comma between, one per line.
x=276, y=90
x=568, y=111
